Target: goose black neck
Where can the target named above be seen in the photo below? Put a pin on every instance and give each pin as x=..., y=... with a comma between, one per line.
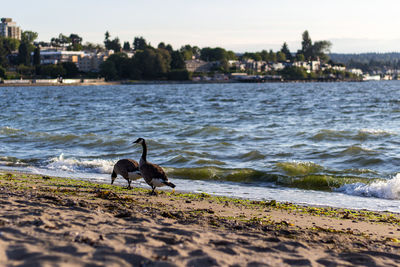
x=144, y=153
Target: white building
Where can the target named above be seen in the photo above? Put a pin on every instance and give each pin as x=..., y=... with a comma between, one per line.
x=356, y=71
x=277, y=66
x=302, y=64
x=55, y=57
x=256, y=66
x=339, y=68
x=8, y=28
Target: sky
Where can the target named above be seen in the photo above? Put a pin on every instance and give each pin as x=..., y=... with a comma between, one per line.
x=353, y=26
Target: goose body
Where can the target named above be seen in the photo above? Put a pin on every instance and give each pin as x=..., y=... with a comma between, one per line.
x=127, y=168
x=153, y=174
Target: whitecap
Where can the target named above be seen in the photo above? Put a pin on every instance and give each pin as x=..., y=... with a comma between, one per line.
x=376, y=132
x=389, y=189
x=80, y=165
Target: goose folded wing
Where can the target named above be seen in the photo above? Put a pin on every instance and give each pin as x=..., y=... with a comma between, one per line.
x=133, y=166
x=154, y=171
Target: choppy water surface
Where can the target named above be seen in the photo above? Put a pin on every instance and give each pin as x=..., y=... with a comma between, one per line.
x=317, y=143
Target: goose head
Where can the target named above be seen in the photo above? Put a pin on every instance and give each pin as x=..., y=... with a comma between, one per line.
x=139, y=141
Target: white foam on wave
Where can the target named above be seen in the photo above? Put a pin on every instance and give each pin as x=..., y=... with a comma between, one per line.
x=376, y=132
x=9, y=130
x=80, y=165
x=389, y=189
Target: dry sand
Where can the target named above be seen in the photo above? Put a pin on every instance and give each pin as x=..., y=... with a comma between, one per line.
x=60, y=222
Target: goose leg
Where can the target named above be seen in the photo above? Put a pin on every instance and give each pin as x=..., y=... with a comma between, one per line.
x=153, y=192
x=129, y=184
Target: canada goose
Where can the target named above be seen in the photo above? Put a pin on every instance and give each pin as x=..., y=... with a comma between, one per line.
x=127, y=168
x=153, y=174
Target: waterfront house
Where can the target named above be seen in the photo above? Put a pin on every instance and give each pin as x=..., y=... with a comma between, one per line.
x=197, y=65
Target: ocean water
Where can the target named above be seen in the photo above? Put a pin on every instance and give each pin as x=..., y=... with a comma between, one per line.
x=331, y=144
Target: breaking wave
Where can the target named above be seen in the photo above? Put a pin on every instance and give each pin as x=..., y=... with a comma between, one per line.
x=80, y=165
x=388, y=189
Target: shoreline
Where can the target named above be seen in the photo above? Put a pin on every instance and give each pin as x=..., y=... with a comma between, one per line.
x=165, y=82
x=50, y=220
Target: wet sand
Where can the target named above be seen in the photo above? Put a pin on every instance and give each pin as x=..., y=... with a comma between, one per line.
x=47, y=221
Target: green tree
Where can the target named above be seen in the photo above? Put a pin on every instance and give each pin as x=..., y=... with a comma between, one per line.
x=300, y=57
x=71, y=70
x=314, y=51
x=189, y=52
x=25, y=71
x=10, y=44
x=163, y=62
x=126, y=47
x=24, y=55
x=36, y=56
x=51, y=71
x=2, y=72
x=254, y=56
x=280, y=56
x=29, y=36
x=177, y=60
x=264, y=55
x=112, y=44
x=75, y=42
x=151, y=64
x=272, y=56
x=294, y=73
x=3, y=54
x=306, y=46
x=285, y=50
x=161, y=45
x=320, y=50
x=92, y=47
x=231, y=55
x=108, y=70
x=179, y=75
x=169, y=48
x=139, y=43
x=122, y=65
x=61, y=40
x=7, y=47
x=214, y=54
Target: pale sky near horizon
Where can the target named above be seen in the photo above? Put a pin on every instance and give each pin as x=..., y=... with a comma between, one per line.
x=353, y=26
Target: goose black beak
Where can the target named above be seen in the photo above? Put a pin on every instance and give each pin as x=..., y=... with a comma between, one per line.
x=138, y=141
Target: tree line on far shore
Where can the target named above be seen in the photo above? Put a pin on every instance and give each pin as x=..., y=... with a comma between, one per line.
x=163, y=62
x=147, y=62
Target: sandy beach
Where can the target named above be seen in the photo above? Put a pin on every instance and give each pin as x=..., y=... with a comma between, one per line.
x=48, y=221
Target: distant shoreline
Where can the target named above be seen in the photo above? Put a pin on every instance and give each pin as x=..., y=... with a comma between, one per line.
x=162, y=82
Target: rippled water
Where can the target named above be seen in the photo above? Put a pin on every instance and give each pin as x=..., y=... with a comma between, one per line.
x=248, y=140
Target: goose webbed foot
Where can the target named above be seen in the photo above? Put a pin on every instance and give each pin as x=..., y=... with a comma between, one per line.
x=153, y=192
x=129, y=185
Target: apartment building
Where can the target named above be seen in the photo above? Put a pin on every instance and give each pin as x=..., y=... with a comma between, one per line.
x=92, y=61
x=9, y=28
x=55, y=57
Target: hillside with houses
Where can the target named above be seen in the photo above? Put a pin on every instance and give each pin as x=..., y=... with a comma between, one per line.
x=66, y=57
